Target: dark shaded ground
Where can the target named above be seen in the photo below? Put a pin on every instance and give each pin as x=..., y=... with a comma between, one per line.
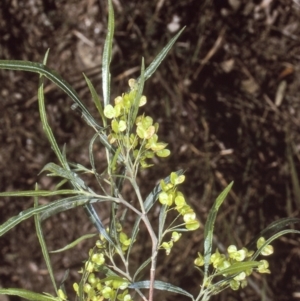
x=227, y=98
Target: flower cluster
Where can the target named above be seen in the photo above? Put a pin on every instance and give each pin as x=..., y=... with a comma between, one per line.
x=170, y=196
x=168, y=245
x=111, y=287
x=122, y=238
x=96, y=289
x=222, y=262
x=144, y=141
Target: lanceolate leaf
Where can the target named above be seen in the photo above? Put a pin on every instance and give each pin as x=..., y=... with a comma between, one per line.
x=272, y=238
x=163, y=286
x=141, y=267
x=100, y=227
x=271, y=229
x=96, y=98
x=58, y=171
x=31, y=193
x=46, y=127
x=42, y=242
x=209, y=226
x=162, y=220
x=57, y=206
x=160, y=57
x=107, y=54
x=238, y=267
x=54, y=77
x=28, y=295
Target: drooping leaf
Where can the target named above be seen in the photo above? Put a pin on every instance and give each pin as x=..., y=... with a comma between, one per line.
x=163, y=286
x=55, y=78
x=274, y=227
x=272, y=238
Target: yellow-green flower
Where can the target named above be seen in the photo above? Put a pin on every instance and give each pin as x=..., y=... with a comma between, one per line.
x=199, y=261
x=267, y=250
x=238, y=255
x=263, y=267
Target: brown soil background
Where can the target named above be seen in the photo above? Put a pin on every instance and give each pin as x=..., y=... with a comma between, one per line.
x=227, y=99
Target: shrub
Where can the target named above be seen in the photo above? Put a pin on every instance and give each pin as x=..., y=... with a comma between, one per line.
x=131, y=141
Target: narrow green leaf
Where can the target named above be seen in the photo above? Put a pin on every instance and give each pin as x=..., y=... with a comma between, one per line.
x=55, y=78
x=100, y=227
x=28, y=295
x=163, y=286
x=113, y=163
x=72, y=202
x=107, y=55
x=162, y=220
x=53, y=207
x=141, y=267
x=238, y=267
x=46, y=127
x=160, y=57
x=274, y=227
x=96, y=98
x=91, y=153
x=58, y=171
x=209, y=226
x=41, y=239
x=32, y=193
x=74, y=243
x=272, y=238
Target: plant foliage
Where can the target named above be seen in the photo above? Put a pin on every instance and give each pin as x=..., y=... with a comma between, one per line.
x=131, y=140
